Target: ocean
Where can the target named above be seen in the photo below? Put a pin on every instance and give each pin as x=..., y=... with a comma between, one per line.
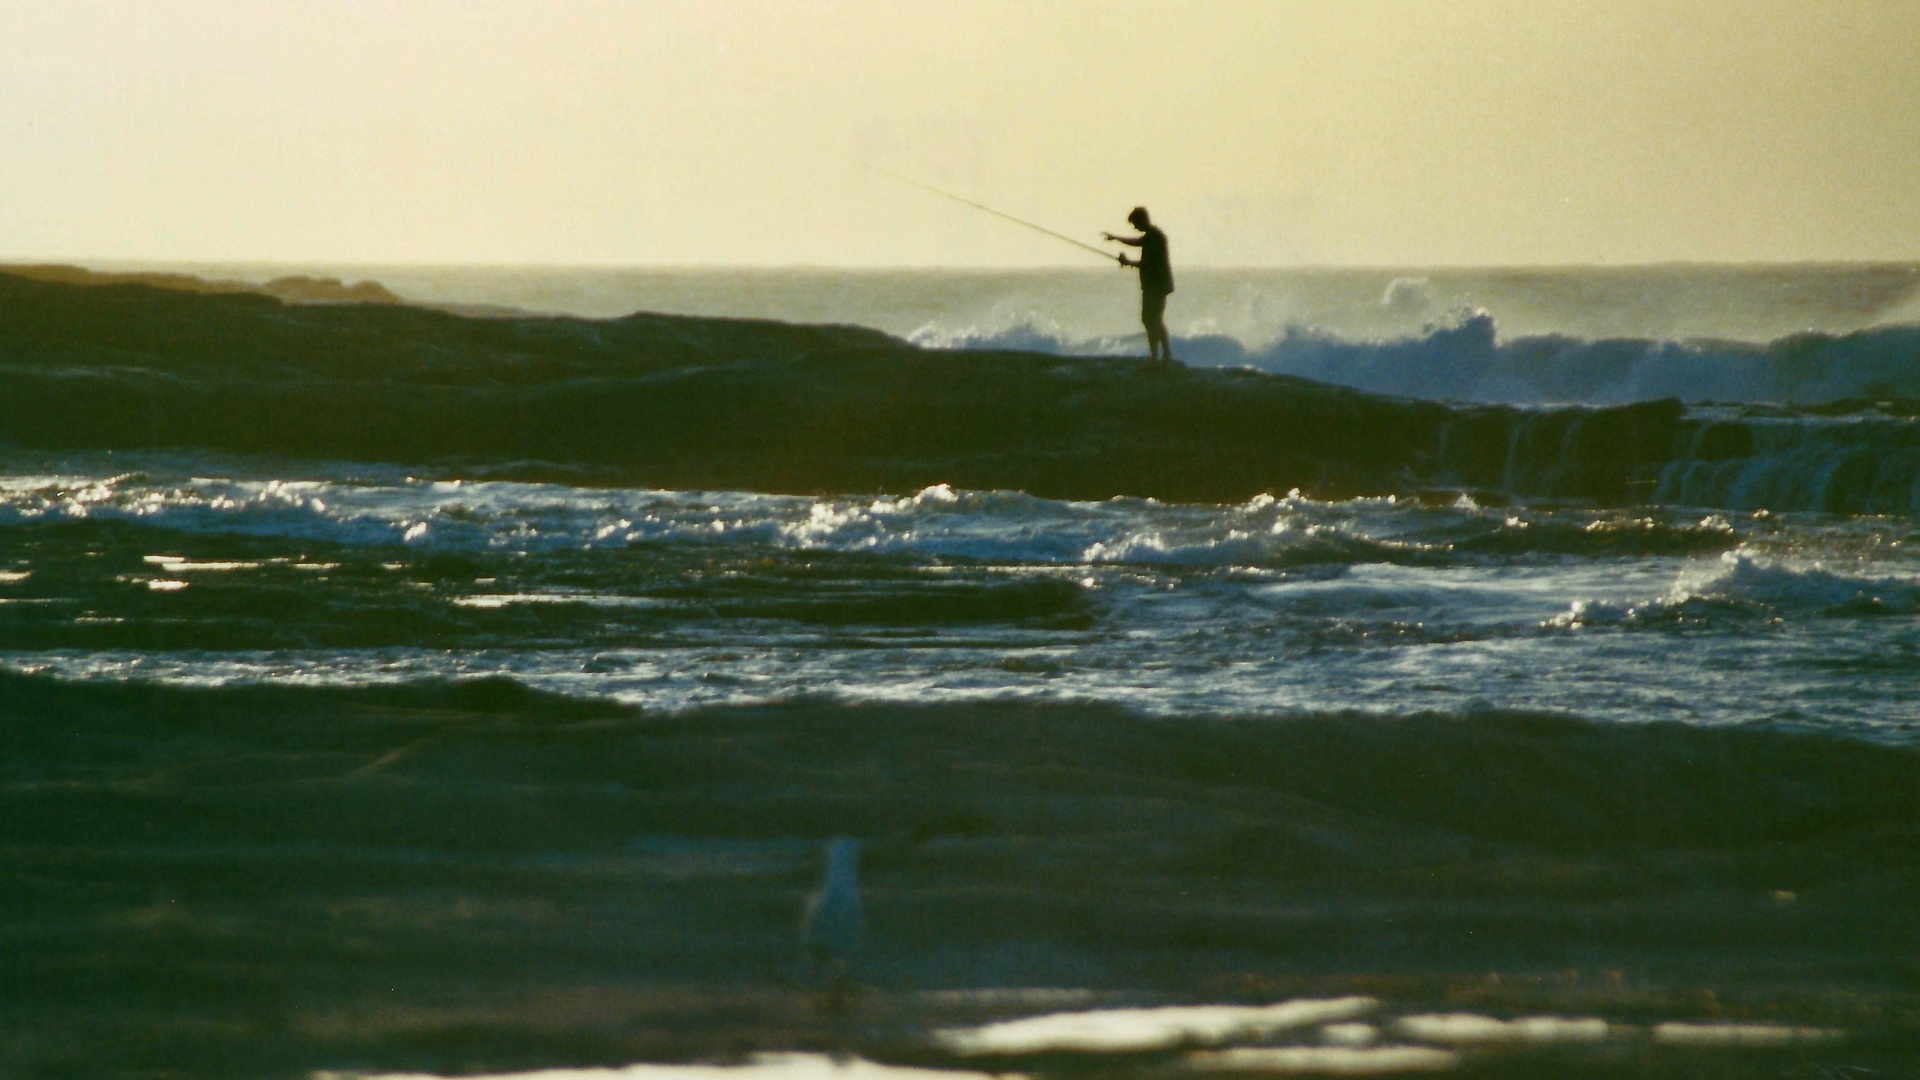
x=1522, y=336
x=456, y=688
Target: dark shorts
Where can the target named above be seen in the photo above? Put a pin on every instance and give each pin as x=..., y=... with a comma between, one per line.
x=1153, y=305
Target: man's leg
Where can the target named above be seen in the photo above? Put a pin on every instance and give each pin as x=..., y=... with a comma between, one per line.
x=1153, y=310
x=1153, y=307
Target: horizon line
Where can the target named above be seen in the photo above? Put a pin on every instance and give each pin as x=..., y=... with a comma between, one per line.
x=124, y=262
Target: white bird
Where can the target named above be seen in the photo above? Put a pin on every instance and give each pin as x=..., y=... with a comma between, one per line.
x=836, y=922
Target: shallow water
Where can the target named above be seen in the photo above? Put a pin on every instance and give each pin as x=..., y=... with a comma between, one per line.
x=212, y=570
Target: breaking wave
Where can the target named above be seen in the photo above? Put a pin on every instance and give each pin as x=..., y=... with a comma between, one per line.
x=1741, y=586
x=1467, y=360
x=374, y=508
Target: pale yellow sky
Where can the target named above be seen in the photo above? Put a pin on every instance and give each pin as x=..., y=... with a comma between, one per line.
x=1382, y=132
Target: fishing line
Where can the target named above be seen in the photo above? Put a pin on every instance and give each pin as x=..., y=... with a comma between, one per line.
x=996, y=213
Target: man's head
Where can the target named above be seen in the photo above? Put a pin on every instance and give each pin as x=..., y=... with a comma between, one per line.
x=1138, y=219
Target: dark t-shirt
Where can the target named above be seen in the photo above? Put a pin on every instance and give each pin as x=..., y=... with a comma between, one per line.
x=1156, y=272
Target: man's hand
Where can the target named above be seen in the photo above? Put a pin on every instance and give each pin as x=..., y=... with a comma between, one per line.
x=1124, y=261
x=1110, y=237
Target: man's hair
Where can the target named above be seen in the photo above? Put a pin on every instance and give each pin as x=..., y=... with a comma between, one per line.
x=1138, y=218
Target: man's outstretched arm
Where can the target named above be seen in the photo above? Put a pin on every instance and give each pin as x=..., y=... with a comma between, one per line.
x=1130, y=241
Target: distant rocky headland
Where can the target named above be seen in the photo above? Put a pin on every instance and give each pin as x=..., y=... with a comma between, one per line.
x=93, y=362
x=293, y=288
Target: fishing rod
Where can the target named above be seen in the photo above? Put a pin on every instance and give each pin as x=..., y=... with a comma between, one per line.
x=996, y=213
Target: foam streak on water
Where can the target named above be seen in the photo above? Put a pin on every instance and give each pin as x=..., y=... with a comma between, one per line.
x=211, y=570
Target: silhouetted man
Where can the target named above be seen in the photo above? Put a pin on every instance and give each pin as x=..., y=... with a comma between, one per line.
x=1156, y=280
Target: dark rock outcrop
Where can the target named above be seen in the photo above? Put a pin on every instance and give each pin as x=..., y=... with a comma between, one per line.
x=725, y=403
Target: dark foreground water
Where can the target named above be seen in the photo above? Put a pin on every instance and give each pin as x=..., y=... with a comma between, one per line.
x=267, y=880
x=1516, y=742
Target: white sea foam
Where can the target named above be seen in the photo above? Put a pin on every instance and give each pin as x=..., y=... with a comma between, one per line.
x=1409, y=296
x=1741, y=583
x=1739, y=577
x=1353, y=1033
x=1325, y=1060
x=1741, y=1034
x=1469, y=1029
x=1008, y=527
x=1134, y=1030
